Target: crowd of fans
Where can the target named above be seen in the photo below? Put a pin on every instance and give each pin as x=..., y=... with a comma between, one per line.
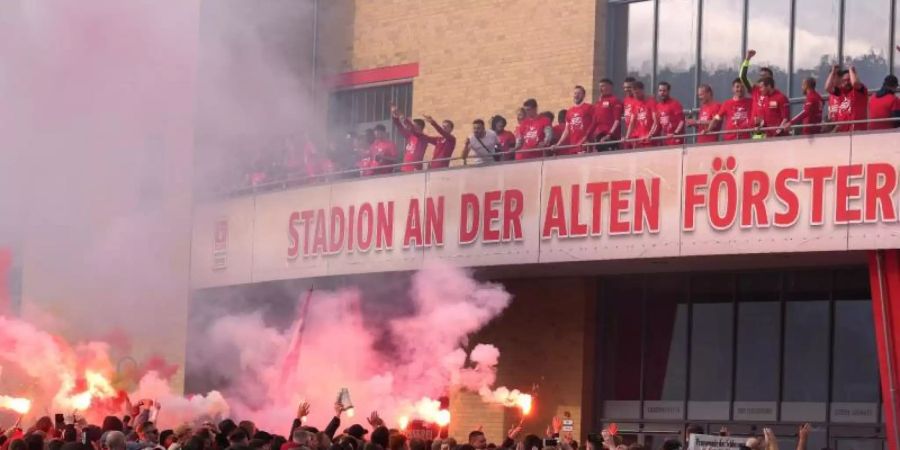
x=141, y=433
x=638, y=120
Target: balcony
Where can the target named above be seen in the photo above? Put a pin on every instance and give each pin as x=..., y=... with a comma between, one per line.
x=826, y=192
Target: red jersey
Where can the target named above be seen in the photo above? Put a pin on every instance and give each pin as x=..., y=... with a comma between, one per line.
x=607, y=111
x=735, y=115
x=382, y=152
x=443, y=149
x=416, y=143
x=854, y=105
x=580, y=120
x=627, y=104
x=670, y=114
x=811, y=114
x=771, y=110
x=882, y=106
x=642, y=114
x=532, y=133
x=707, y=114
x=507, y=144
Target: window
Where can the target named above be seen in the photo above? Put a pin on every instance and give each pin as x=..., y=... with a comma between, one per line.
x=359, y=109
x=866, y=39
x=620, y=351
x=676, y=53
x=855, y=359
x=769, y=34
x=815, y=41
x=758, y=345
x=721, y=45
x=712, y=329
x=665, y=357
x=640, y=41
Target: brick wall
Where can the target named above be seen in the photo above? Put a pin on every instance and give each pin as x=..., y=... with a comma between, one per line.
x=477, y=58
x=544, y=337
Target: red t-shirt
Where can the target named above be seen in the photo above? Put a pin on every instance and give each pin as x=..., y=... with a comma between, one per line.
x=708, y=113
x=811, y=114
x=883, y=108
x=735, y=115
x=853, y=106
x=670, y=114
x=771, y=109
x=627, y=104
x=443, y=148
x=642, y=112
x=381, y=153
x=531, y=130
x=507, y=144
x=416, y=143
x=580, y=120
x=606, y=112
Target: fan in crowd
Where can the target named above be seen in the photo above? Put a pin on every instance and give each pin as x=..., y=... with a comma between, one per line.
x=119, y=433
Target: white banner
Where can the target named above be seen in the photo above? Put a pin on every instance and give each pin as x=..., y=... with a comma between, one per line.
x=826, y=193
x=710, y=442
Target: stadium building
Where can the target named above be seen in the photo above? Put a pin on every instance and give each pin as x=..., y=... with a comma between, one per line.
x=736, y=284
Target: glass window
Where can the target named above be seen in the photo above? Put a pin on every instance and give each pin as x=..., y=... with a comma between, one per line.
x=758, y=338
x=866, y=39
x=665, y=360
x=721, y=45
x=640, y=41
x=855, y=359
x=805, y=357
x=676, y=52
x=769, y=34
x=620, y=352
x=815, y=41
x=712, y=330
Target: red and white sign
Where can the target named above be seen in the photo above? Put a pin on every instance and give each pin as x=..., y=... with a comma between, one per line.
x=789, y=195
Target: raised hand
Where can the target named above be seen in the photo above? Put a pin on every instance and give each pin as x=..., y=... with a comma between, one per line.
x=750, y=54
x=557, y=424
x=803, y=433
x=303, y=411
x=374, y=420
x=338, y=408
x=514, y=431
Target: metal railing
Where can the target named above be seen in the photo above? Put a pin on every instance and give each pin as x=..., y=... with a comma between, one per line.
x=547, y=152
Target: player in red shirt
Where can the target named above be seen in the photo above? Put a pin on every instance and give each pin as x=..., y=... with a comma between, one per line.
x=627, y=97
x=734, y=114
x=811, y=115
x=382, y=152
x=853, y=95
x=579, y=125
x=443, y=145
x=507, y=139
x=885, y=105
x=772, y=108
x=670, y=115
x=764, y=72
x=642, y=120
x=608, y=112
x=708, y=110
x=416, y=140
x=534, y=132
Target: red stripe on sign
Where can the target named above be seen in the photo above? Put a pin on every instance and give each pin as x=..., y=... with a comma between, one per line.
x=377, y=75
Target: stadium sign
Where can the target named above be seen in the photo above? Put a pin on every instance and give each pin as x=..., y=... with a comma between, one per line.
x=829, y=193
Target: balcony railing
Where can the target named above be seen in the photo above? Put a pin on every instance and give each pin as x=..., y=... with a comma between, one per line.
x=547, y=152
